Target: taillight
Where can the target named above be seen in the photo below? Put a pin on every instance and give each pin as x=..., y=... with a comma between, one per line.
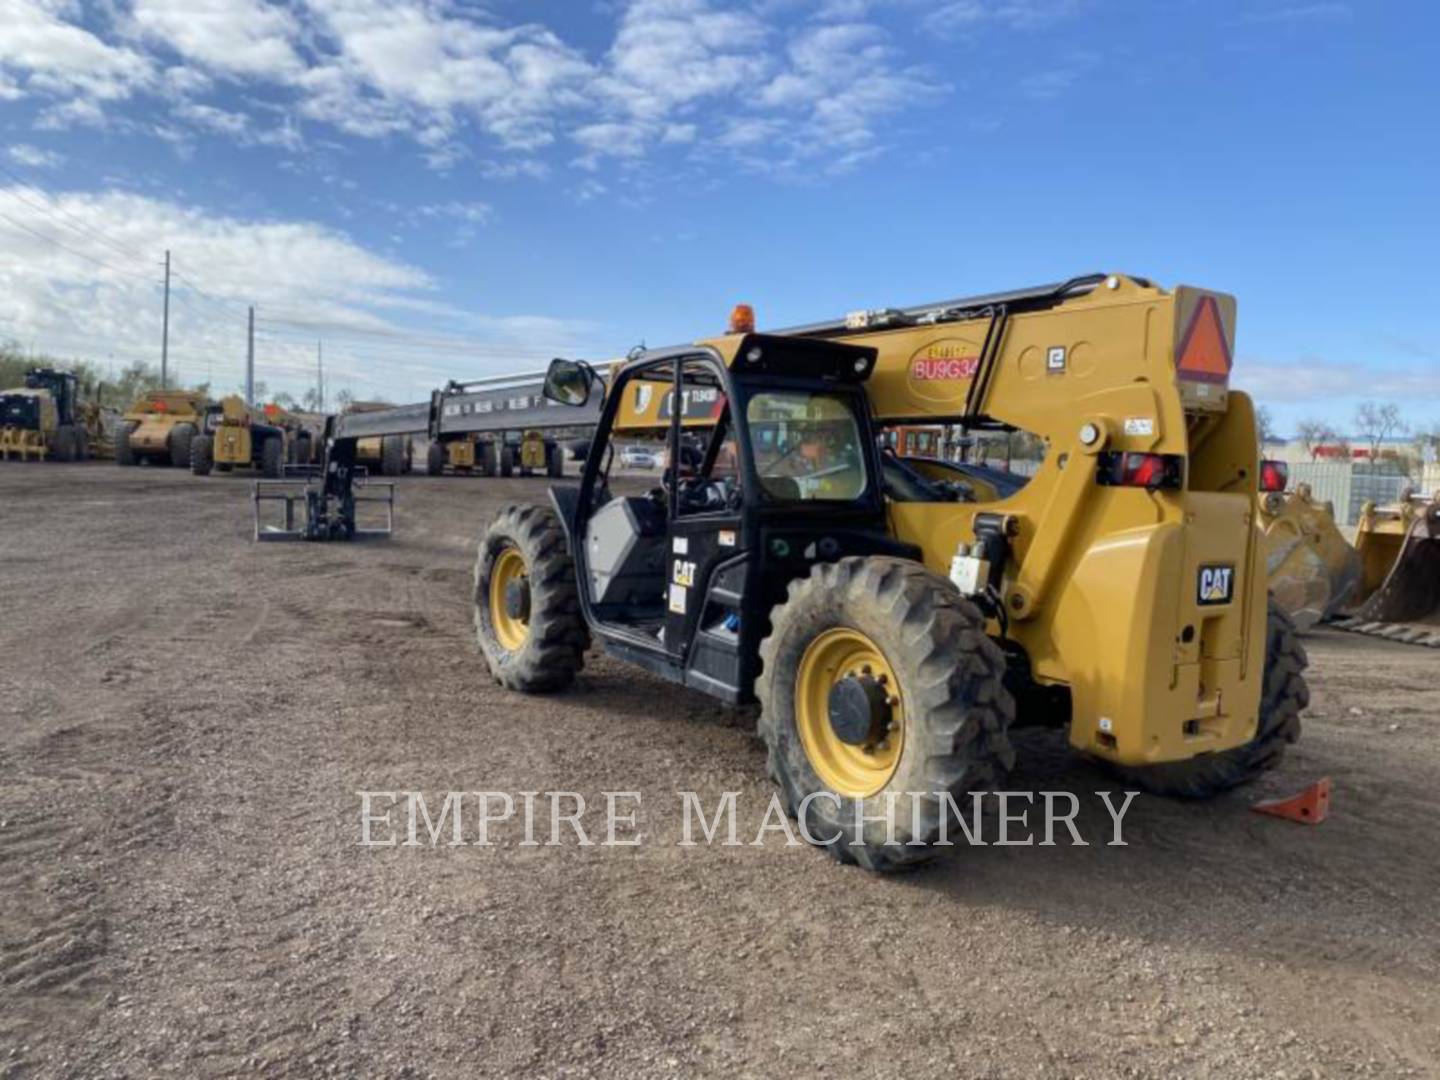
x=1130, y=468
x=1274, y=475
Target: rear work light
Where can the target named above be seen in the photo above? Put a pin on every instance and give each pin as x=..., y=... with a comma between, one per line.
x=1130, y=468
x=1274, y=475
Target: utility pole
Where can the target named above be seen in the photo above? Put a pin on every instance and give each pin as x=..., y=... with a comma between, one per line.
x=165, y=331
x=320, y=375
x=250, y=361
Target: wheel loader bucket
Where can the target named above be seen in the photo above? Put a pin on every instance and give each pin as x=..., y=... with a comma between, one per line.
x=1399, y=553
x=1313, y=572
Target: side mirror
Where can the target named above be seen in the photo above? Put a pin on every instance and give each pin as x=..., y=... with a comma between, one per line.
x=569, y=382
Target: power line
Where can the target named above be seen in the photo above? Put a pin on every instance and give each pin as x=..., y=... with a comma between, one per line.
x=57, y=208
x=72, y=251
x=230, y=305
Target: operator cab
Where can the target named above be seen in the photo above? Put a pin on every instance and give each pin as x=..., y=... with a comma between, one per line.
x=770, y=465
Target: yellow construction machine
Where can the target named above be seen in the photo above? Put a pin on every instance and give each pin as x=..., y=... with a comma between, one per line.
x=894, y=622
x=387, y=454
x=1398, y=550
x=457, y=455
x=45, y=419
x=159, y=427
x=532, y=455
x=302, y=432
x=236, y=436
x=1314, y=573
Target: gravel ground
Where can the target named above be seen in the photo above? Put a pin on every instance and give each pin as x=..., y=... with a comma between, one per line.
x=186, y=718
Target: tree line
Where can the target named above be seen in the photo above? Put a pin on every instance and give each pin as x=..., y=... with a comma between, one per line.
x=120, y=388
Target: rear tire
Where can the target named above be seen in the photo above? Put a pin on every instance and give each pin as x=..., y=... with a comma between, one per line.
x=392, y=455
x=304, y=450
x=124, y=455
x=178, y=441
x=554, y=460
x=435, y=459
x=202, y=454
x=1284, y=696
x=555, y=637
x=272, y=458
x=507, y=460
x=955, y=712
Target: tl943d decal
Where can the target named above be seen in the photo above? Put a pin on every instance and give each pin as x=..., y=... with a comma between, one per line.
x=1215, y=585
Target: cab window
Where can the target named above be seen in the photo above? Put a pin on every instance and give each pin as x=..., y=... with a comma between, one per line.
x=806, y=446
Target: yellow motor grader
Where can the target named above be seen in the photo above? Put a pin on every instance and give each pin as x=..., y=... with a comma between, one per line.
x=236, y=436
x=45, y=419
x=159, y=427
x=894, y=624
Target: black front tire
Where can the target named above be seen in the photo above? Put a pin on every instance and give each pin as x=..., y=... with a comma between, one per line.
x=956, y=708
x=553, y=652
x=392, y=455
x=435, y=459
x=124, y=455
x=202, y=454
x=554, y=460
x=272, y=458
x=178, y=441
x=507, y=460
x=65, y=446
x=1283, y=697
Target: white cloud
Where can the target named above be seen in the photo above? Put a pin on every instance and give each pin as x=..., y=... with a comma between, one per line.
x=237, y=127
x=95, y=301
x=1301, y=13
x=400, y=65
x=1318, y=381
x=32, y=157
x=696, y=76
x=476, y=213
x=236, y=37
x=960, y=16
x=1054, y=79
x=54, y=56
x=669, y=53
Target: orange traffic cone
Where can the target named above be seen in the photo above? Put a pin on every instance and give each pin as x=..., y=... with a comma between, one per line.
x=1310, y=807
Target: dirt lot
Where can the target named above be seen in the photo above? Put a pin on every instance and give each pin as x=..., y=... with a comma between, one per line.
x=186, y=717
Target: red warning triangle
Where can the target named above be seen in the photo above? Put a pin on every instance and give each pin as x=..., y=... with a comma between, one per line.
x=1204, y=353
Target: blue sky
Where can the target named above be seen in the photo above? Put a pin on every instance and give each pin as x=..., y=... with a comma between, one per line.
x=452, y=189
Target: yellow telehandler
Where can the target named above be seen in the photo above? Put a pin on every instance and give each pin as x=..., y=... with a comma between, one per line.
x=236, y=436
x=894, y=624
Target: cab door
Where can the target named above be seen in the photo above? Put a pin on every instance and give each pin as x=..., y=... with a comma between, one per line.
x=709, y=582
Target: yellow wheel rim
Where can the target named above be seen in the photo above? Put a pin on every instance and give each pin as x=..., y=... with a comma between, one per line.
x=510, y=630
x=852, y=771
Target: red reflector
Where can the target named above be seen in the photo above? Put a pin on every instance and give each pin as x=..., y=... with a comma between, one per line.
x=1131, y=468
x=1274, y=475
x=1142, y=470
